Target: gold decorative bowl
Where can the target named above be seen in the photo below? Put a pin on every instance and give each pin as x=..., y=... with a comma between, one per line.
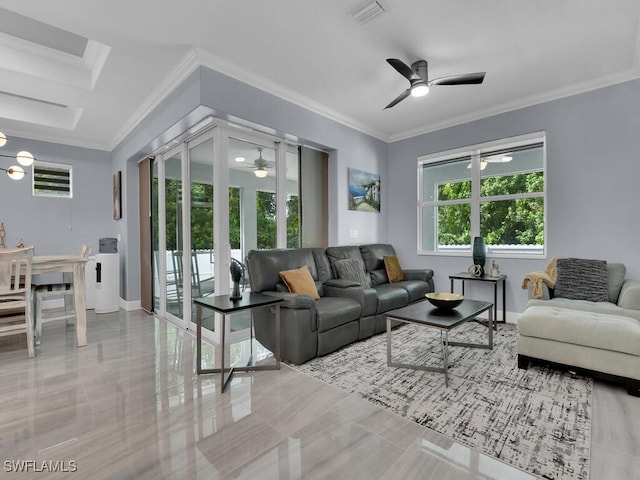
x=446, y=301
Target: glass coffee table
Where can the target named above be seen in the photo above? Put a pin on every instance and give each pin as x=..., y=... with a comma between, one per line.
x=426, y=315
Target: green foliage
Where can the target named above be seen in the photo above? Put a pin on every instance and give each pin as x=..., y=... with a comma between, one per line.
x=201, y=216
x=454, y=224
x=173, y=194
x=293, y=221
x=502, y=222
x=266, y=213
x=454, y=190
x=234, y=217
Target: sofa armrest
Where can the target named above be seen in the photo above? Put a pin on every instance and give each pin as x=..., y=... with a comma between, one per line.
x=293, y=300
x=546, y=292
x=425, y=274
x=366, y=297
x=629, y=298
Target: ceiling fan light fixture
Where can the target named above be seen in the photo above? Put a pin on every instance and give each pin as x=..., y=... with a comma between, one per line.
x=3, y=139
x=239, y=159
x=483, y=165
x=500, y=158
x=419, y=89
x=24, y=158
x=15, y=173
x=260, y=172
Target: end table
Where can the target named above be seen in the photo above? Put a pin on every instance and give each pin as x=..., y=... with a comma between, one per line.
x=223, y=305
x=464, y=276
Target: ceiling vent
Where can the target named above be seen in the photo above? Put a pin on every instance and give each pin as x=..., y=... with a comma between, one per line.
x=367, y=11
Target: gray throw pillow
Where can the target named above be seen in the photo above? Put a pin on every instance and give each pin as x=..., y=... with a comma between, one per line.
x=352, y=269
x=581, y=279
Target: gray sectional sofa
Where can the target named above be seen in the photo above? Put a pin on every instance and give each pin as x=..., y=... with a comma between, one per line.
x=346, y=310
x=599, y=338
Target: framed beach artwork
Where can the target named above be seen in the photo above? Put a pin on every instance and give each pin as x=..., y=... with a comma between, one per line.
x=364, y=191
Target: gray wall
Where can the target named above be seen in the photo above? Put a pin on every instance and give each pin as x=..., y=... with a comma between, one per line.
x=593, y=169
x=208, y=92
x=58, y=225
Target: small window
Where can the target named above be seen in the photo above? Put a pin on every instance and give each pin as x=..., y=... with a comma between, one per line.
x=52, y=180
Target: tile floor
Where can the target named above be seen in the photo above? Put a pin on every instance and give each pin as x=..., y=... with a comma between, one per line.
x=128, y=405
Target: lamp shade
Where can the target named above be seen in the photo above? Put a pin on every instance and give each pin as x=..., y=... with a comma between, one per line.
x=3, y=139
x=24, y=158
x=15, y=173
x=419, y=89
x=260, y=172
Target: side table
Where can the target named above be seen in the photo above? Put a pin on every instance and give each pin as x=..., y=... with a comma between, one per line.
x=464, y=276
x=223, y=305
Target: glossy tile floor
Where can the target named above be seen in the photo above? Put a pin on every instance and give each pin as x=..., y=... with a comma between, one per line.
x=128, y=405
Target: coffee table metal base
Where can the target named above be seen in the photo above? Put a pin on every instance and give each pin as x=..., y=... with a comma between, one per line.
x=445, y=343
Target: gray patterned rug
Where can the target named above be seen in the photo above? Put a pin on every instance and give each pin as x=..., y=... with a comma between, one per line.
x=538, y=420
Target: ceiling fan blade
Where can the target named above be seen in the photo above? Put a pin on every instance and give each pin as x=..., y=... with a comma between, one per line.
x=403, y=69
x=464, y=79
x=399, y=98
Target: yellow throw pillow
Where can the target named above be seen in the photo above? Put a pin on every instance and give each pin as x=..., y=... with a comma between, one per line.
x=300, y=281
x=392, y=266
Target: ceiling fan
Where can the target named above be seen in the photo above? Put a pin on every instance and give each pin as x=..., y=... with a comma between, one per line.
x=260, y=165
x=418, y=77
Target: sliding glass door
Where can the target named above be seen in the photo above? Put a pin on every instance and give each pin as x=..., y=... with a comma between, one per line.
x=167, y=233
x=217, y=195
x=200, y=226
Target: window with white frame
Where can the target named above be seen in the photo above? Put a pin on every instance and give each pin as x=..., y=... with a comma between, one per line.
x=494, y=190
x=52, y=179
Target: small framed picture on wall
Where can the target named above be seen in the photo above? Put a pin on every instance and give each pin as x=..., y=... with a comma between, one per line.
x=364, y=191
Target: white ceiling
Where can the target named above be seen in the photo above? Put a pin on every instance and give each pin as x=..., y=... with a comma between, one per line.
x=313, y=53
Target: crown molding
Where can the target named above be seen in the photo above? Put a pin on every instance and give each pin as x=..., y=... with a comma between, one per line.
x=196, y=58
x=225, y=67
x=632, y=73
x=70, y=139
x=557, y=94
x=178, y=74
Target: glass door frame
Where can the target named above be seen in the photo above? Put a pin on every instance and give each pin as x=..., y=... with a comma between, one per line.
x=162, y=230
x=189, y=144
x=220, y=133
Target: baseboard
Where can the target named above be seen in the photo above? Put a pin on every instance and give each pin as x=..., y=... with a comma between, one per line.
x=513, y=317
x=59, y=303
x=130, y=306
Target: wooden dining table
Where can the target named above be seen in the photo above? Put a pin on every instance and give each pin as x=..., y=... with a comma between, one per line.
x=75, y=265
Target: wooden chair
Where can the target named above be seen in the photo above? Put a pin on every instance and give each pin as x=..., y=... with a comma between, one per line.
x=42, y=291
x=16, y=315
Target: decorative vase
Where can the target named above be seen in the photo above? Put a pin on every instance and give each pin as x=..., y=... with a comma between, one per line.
x=236, y=295
x=237, y=269
x=479, y=253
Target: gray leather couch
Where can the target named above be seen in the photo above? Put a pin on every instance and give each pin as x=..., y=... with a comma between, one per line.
x=346, y=312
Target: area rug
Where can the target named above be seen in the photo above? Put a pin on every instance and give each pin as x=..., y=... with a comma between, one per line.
x=538, y=420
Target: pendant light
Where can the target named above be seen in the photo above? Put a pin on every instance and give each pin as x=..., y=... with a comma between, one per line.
x=24, y=158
